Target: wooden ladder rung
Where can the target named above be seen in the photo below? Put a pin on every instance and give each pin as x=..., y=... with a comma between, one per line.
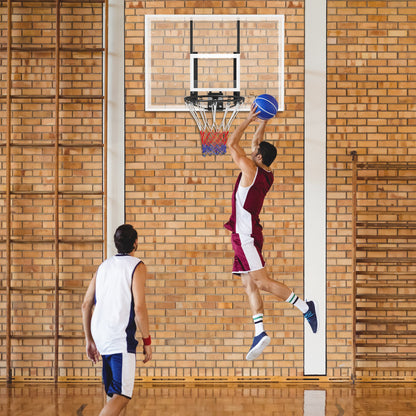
x=83, y=2
x=44, y=335
x=35, y=335
x=32, y=97
x=62, y=193
x=367, y=249
x=68, y=240
x=32, y=49
x=389, y=309
x=396, y=273
x=382, y=284
x=81, y=49
x=52, y=144
x=382, y=321
x=82, y=193
x=386, y=178
x=387, y=224
x=385, y=247
x=62, y=1
x=385, y=333
x=394, y=260
x=53, y=49
x=384, y=212
x=386, y=296
x=73, y=335
x=386, y=165
x=80, y=240
x=82, y=145
x=32, y=192
x=386, y=357
x=383, y=369
x=47, y=289
x=386, y=237
x=386, y=345
x=31, y=240
x=81, y=97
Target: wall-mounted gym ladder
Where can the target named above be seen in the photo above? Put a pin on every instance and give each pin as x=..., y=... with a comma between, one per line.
x=384, y=269
x=71, y=89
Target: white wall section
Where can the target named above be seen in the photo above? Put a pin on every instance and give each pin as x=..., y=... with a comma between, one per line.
x=315, y=183
x=116, y=121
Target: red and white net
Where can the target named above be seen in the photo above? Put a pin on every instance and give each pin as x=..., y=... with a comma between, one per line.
x=213, y=125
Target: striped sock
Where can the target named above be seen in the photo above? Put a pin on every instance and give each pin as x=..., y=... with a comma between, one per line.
x=298, y=302
x=258, y=324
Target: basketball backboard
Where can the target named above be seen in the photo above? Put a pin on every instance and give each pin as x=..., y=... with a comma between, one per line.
x=198, y=54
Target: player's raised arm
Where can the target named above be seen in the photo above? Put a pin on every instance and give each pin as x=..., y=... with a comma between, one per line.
x=237, y=152
x=258, y=135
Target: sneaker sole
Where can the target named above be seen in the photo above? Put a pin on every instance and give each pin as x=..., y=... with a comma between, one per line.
x=317, y=318
x=258, y=349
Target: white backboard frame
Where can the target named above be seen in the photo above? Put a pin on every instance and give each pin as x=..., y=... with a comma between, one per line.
x=149, y=19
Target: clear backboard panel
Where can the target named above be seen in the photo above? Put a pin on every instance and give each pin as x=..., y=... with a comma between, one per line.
x=211, y=53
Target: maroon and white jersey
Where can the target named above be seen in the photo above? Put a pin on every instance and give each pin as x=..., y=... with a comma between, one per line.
x=247, y=203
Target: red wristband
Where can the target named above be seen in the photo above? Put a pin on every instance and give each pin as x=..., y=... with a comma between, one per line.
x=147, y=341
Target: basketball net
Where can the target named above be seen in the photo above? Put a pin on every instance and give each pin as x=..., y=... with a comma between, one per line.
x=212, y=129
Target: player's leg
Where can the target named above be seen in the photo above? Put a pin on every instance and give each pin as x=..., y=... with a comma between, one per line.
x=118, y=376
x=263, y=282
x=254, y=298
x=281, y=291
x=115, y=406
x=261, y=339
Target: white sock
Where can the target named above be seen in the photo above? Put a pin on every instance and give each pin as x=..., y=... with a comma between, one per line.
x=298, y=302
x=258, y=324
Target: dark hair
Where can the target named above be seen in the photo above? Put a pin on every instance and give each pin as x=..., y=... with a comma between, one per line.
x=124, y=238
x=268, y=152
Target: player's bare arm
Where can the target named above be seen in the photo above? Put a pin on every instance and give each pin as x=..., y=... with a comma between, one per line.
x=240, y=158
x=87, y=308
x=258, y=135
x=140, y=308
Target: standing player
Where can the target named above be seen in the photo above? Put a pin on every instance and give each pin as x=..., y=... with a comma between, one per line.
x=118, y=292
x=251, y=187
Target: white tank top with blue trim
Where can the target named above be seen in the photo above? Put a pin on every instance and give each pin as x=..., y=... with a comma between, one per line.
x=113, y=326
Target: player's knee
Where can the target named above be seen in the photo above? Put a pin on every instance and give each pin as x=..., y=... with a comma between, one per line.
x=248, y=283
x=116, y=404
x=262, y=283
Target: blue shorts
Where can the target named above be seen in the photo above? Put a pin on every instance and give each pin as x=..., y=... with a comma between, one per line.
x=118, y=374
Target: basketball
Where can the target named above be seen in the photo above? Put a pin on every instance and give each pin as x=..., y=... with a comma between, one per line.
x=267, y=105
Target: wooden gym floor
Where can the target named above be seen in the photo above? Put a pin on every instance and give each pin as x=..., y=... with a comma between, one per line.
x=275, y=399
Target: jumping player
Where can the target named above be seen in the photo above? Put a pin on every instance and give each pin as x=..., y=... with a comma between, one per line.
x=117, y=291
x=251, y=187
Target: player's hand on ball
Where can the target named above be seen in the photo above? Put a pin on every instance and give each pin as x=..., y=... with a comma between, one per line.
x=252, y=115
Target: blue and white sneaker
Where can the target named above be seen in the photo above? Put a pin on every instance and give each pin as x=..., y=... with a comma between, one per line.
x=260, y=342
x=311, y=317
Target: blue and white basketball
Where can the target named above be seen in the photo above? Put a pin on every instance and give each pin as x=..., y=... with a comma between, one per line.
x=267, y=105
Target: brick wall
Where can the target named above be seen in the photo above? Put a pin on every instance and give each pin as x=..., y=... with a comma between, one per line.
x=179, y=200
